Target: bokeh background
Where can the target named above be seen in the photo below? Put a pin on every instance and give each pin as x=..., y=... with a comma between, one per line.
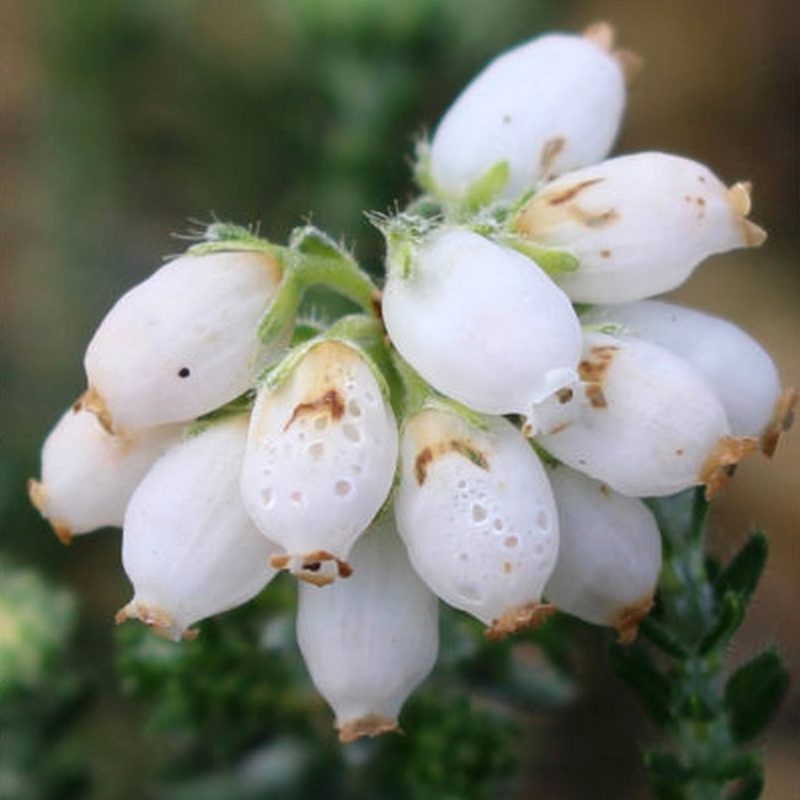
x=123, y=122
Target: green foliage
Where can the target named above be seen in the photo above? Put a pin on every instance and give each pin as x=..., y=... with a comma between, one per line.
x=699, y=609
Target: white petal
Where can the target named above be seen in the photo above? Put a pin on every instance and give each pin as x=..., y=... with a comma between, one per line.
x=609, y=556
x=742, y=373
x=638, y=224
x=482, y=323
x=476, y=512
x=651, y=426
x=188, y=546
x=88, y=474
x=321, y=457
x=183, y=342
x=545, y=107
x=368, y=641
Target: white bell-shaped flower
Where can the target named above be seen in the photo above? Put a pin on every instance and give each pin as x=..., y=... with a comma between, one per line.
x=609, y=556
x=651, y=424
x=482, y=323
x=741, y=372
x=369, y=641
x=321, y=457
x=638, y=224
x=476, y=512
x=183, y=342
x=88, y=474
x=188, y=546
x=550, y=105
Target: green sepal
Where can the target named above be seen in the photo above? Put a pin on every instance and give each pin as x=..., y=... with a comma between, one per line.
x=635, y=667
x=280, y=314
x=554, y=262
x=225, y=237
x=358, y=331
x=242, y=404
x=742, y=574
x=753, y=694
x=421, y=168
x=419, y=394
x=486, y=187
x=730, y=614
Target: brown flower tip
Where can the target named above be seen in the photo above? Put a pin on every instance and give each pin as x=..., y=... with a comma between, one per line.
x=738, y=197
x=37, y=494
x=781, y=421
x=92, y=402
x=370, y=725
x=521, y=618
x=719, y=466
x=626, y=620
x=602, y=34
x=159, y=621
x=318, y=567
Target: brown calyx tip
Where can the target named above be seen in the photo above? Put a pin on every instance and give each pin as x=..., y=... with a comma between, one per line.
x=626, y=620
x=370, y=725
x=719, y=466
x=782, y=419
x=92, y=401
x=159, y=621
x=37, y=494
x=318, y=567
x=601, y=33
x=521, y=618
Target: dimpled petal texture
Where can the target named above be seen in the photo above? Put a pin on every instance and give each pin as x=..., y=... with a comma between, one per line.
x=476, y=512
x=321, y=455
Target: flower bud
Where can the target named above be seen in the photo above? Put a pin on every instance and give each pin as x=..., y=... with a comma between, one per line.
x=741, y=372
x=481, y=323
x=609, y=556
x=545, y=107
x=476, y=512
x=188, y=546
x=650, y=426
x=370, y=640
x=638, y=224
x=183, y=342
x=321, y=456
x=88, y=474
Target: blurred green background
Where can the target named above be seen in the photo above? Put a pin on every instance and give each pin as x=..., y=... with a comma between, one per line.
x=124, y=121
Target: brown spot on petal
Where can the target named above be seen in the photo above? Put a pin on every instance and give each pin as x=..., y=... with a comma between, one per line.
x=370, y=725
x=781, y=421
x=330, y=403
x=626, y=620
x=593, y=368
x=595, y=395
x=719, y=466
x=550, y=151
x=318, y=567
x=521, y=618
x=571, y=192
x=92, y=402
x=429, y=454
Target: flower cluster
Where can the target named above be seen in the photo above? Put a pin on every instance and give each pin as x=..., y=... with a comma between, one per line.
x=481, y=432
